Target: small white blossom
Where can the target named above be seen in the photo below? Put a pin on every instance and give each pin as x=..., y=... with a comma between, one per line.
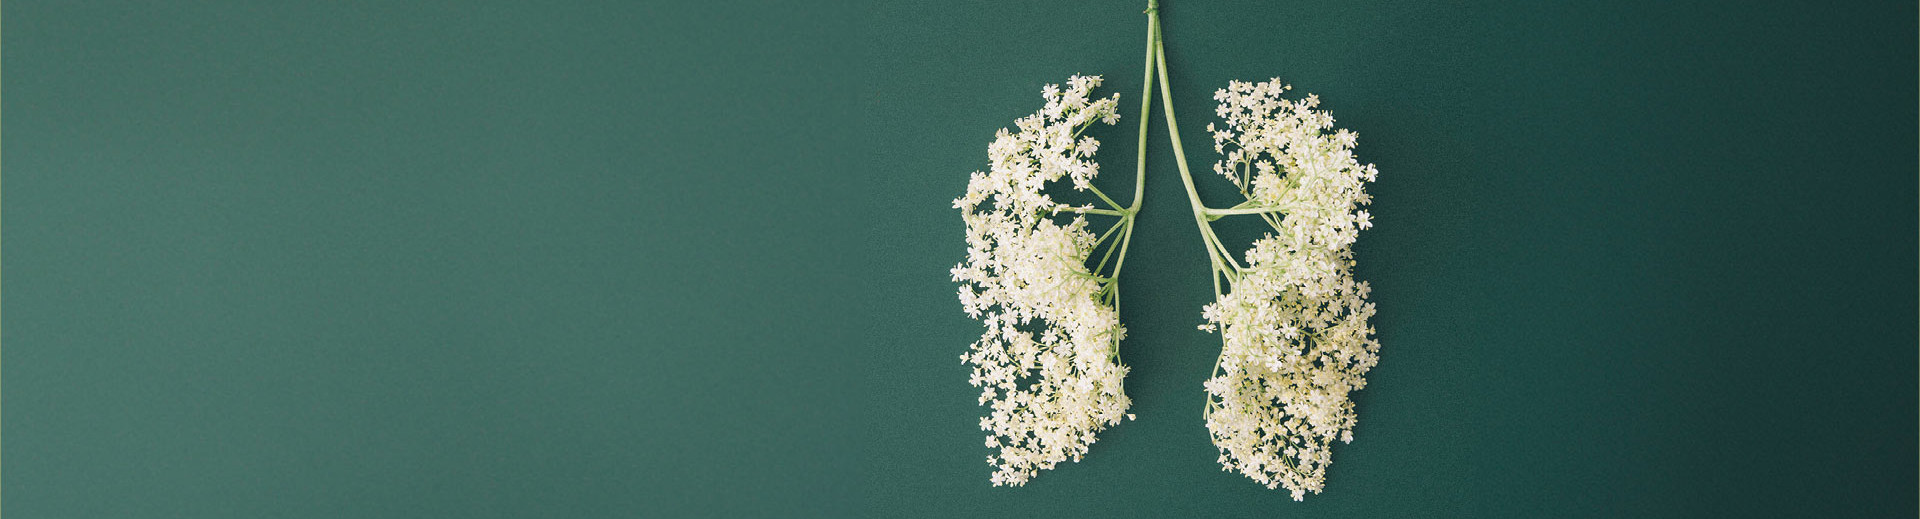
x=1048, y=366
x=1294, y=324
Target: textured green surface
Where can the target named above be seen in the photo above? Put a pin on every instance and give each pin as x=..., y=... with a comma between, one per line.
x=399, y=260
x=478, y=259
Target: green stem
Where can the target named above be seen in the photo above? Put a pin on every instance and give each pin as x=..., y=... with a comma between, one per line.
x=1093, y=277
x=1124, y=222
x=1157, y=61
x=1110, y=230
x=1247, y=210
x=1091, y=210
x=1140, y=160
x=1146, y=104
x=1221, y=248
x=1103, y=196
x=1179, y=151
x=1272, y=222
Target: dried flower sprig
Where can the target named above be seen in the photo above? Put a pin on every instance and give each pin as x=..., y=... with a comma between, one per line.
x=1048, y=364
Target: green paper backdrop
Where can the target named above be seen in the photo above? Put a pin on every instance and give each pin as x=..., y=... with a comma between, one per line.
x=681, y=259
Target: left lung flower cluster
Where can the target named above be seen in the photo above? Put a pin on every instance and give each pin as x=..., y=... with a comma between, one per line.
x=1048, y=364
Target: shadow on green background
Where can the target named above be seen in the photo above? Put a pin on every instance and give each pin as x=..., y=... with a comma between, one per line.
x=499, y=260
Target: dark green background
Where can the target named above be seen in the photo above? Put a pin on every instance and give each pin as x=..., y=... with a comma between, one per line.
x=483, y=259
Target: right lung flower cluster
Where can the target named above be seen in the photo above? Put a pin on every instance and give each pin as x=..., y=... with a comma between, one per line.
x=1297, y=342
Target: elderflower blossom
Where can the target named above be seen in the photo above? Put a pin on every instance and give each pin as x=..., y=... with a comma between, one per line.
x=1047, y=365
x=1297, y=342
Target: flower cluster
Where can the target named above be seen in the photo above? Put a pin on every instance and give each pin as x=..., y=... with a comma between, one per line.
x=1297, y=342
x=1048, y=364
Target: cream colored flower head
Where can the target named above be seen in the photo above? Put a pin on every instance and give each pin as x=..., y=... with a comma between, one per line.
x=1047, y=365
x=1297, y=341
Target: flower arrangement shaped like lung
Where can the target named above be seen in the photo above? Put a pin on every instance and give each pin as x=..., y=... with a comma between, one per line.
x=1293, y=322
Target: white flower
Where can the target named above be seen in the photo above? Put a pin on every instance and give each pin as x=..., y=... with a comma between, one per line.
x=1294, y=325
x=1048, y=365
